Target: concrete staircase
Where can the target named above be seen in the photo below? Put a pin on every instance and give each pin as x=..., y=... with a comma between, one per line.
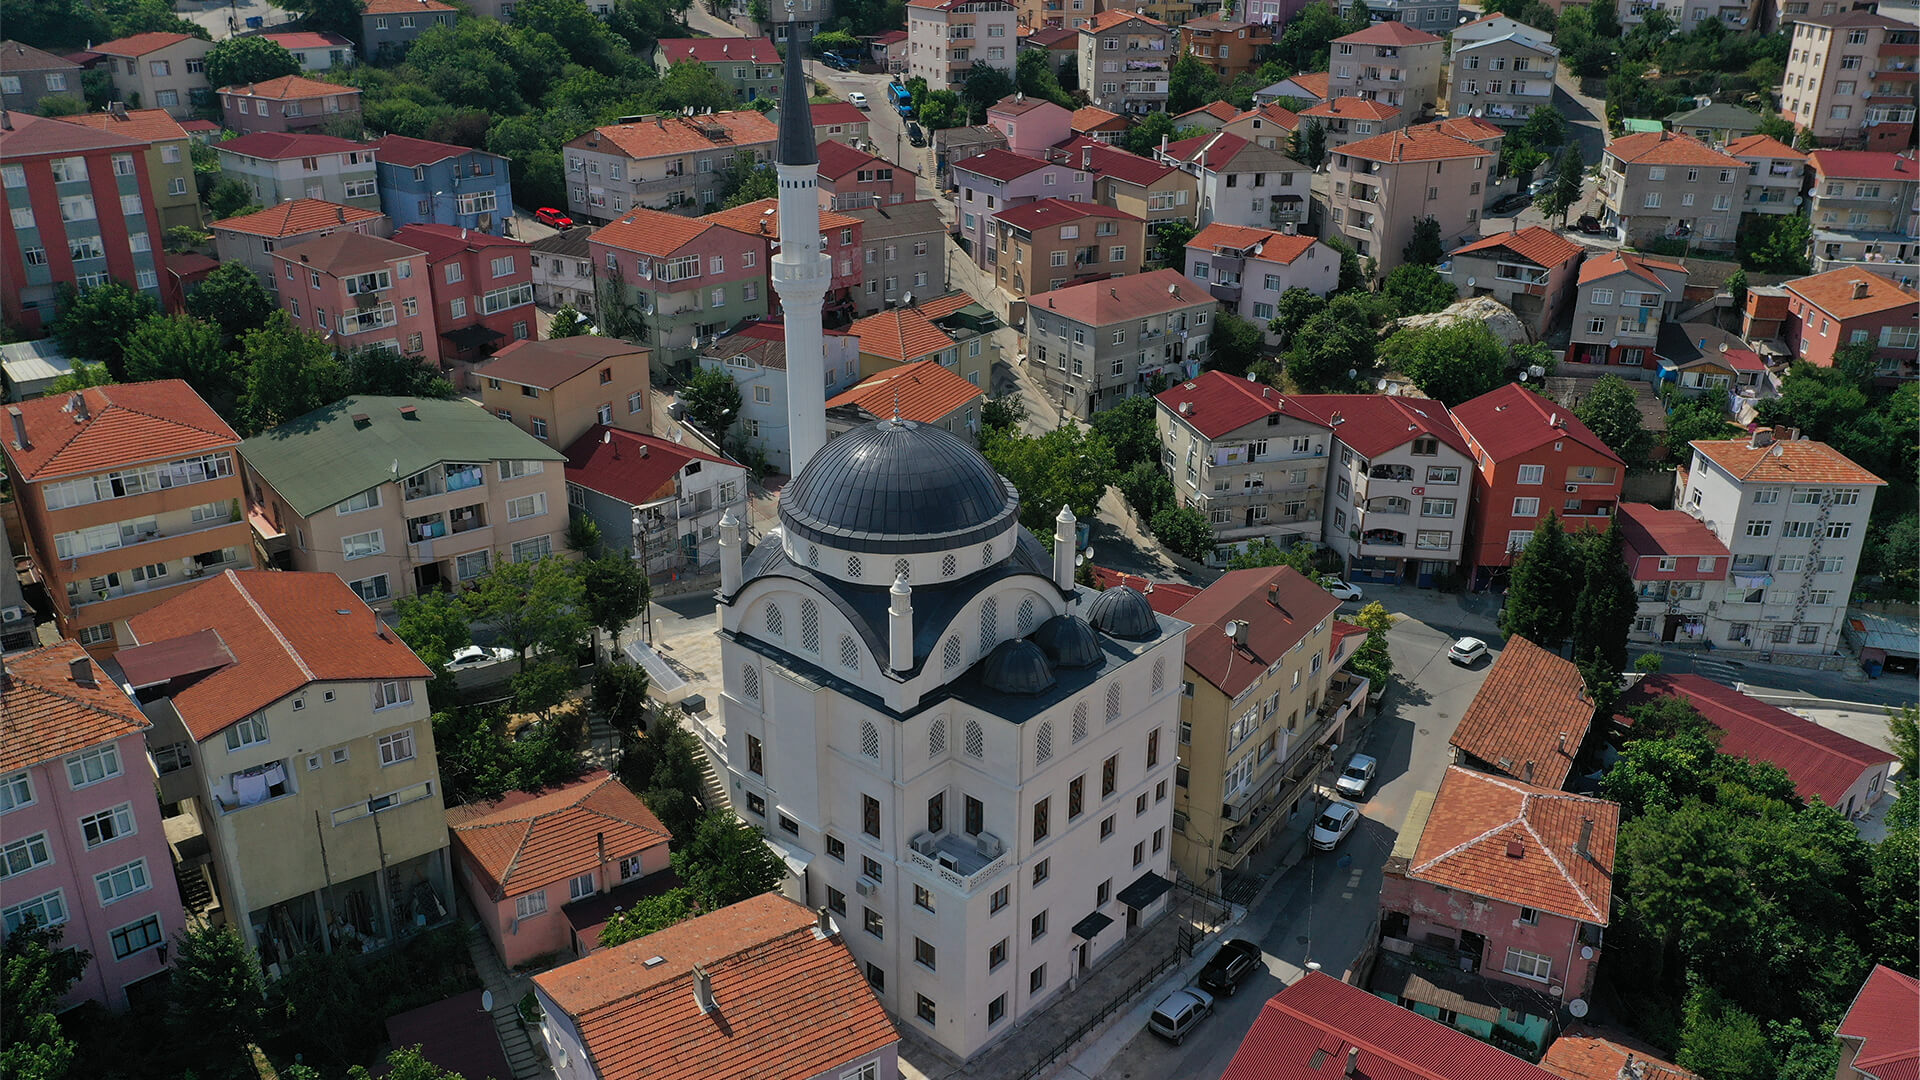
x=713, y=791
x=528, y=1059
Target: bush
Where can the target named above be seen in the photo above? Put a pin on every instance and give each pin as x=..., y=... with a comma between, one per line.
x=1184, y=530
x=620, y=695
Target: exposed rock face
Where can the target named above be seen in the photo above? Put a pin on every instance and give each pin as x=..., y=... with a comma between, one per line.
x=1499, y=318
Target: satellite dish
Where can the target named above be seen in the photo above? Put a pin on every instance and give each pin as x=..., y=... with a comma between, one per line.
x=1471, y=282
x=486, y=1000
x=1380, y=384
x=1578, y=1007
x=1586, y=952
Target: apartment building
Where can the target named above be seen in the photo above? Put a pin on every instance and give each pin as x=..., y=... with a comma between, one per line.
x=1097, y=343
x=1393, y=63
x=418, y=495
x=1792, y=513
x=278, y=166
x=1658, y=185
x=1534, y=458
x=1043, y=245
x=555, y=389
x=288, y=103
x=1679, y=567
x=692, y=278
x=905, y=251
x=1776, y=175
x=1032, y=126
x=854, y=179
x=755, y=358
x=125, y=491
x=1124, y=60
x=29, y=76
x=1383, y=185
x=1533, y=271
x=81, y=211
x=1847, y=307
x=1241, y=182
x=660, y=162
x=387, y=27
x=945, y=38
x=1249, y=457
x=86, y=850
x=482, y=287
x=251, y=239
x=159, y=70
x=1265, y=706
x=434, y=183
x=750, y=67
x=1152, y=191
x=1849, y=79
x=1001, y=180
x=1866, y=212
x=293, y=726
x=1350, y=119
x=844, y=244
x=1247, y=269
x=1500, y=70
x=952, y=329
x=1228, y=47
x=360, y=291
x=676, y=492
x=1620, y=302
x=176, y=197
x=563, y=270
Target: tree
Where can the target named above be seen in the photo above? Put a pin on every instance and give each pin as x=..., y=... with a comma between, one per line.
x=80, y=377
x=1002, y=414
x=1338, y=340
x=616, y=591
x=1146, y=488
x=1737, y=289
x=1184, y=530
x=943, y=109
x=1130, y=430
x=1417, y=289
x=92, y=324
x=726, y=861
x=37, y=975
x=1308, y=143
x=230, y=198
x=1611, y=411
x=712, y=401
x=583, y=35
x=1564, y=193
x=1541, y=581
x=985, y=85
x=647, y=915
x=536, y=603
x=1034, y=72
x=1191, y=84
x=1452, y=363
x=1721, y=1041
x=541, y=686
x=381, y=371
x=1693, y=419
x=567, y=322
x=620, y=314
x=1603, y=614
x=747, y=180
x=1425, y=248
x=248, y=60
x=183, y=347
x=583, y=535
x=1294, y=308
x=1352, y=275
x=405, y=1063
x=1144, y=137
x=435, y=624
x=1264, y=552
x=1170, y=241
x=231, y=297
x=1776, y=244
x=664, y=767
x=1372, y=660
x=218, y=1000
x=1066, y=466
x=620, y=695
x=1234, y=343
x=290, y=373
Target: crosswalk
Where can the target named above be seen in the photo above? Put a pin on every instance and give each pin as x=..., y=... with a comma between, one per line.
x=1717, y=671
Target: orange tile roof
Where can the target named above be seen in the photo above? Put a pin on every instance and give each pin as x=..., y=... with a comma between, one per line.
x=288, y=87
x=1832, y=292
x=402, y=7
x=651, y=232
x=762, y=218
x=1529, y=717
x=147, y=125
x=1220, y=110
x=123, y=424
x=925, y=392
x=284, y=629
x=1572, y=1057
x=1470, y=128
x=1352, y=108
x=1092, y=118
x=719, y=50
x=294, y=217
x=1802, y=461
x=1423, y=143
x=899, y=334
x=1516, y=842
x=45, y=714
x=529, y=840
x=1136, y=296
x=1113, y=17
x=1314, y=82
x=1543, y=247
x=662, y=136
x=1273, y=113
x=1389, y=33
x=1669, y=148
x=1281, y=607
x=941, y=306
x=140, y=44
x=788, y=1002
x=1623, y=262
x=1513, y=420
x=1765, y=146
x=1265, y=243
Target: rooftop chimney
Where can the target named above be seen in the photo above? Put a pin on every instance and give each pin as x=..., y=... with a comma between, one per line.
x=1273, y=594
x=1527, y=772
x=1859, y=289
x=20, y=440
x=77, y=405
x=703, y=990
x=1563, y=742
x=1353, y=1061
x=1086, y=158
x=1586, y=836
x=1760, y=437
x=83, y=672
x=823, y=923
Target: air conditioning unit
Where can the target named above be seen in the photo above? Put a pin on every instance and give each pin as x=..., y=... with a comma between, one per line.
x=862, y=888
x=924, y=843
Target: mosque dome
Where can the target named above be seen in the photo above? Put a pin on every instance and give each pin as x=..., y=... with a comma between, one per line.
x=901, y=487
x=1124, y=613
x=1017, y=666
x=1068, y=641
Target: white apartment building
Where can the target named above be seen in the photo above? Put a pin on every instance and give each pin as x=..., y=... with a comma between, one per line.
x=972, y=771
x=1849, y=79
x=1247, y=269
x=1500, y=70
x=945, y=38
x=1241, y=182
x=1399, y=479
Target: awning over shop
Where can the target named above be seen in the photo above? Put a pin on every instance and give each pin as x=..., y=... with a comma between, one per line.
x=1145, y=890
x=1090, y=927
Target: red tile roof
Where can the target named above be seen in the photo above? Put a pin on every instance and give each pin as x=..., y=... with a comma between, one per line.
x=1260, y=243
x=1113, y=17
x=1017, y=105
x=1542, y=247
x=1092, y=118
x=1375, y=423
x=1804, y=461
x=999, y=164
x=343, y=253
x=1165, y=597
x=1046, y=213
x=1529, y=717
x=1507, y=840
x=719, y=50
x=147, y=125
x=837, y=112
x=1652, y=531
x=902, y=334
x=1215, y=403
x=837, y=159
x=1388, y=33
x=661, y=136
x=1621, y=262
x=18, y=56
x=788, y=1002
x=1572, y=1057
x=308, y=39
x=1273, y=113
x=400, y=150
x=1880, y=1026
x=284, y=629
x=1110, y=160
x=1821, y=762
x=1669, y=148
x=529, y=840
x=123, y=424
x=1063, y=38
x=762, y=218
x=1341, y=632
x=1513, y=420
x=1276, y=622
x=295, y=216
x=1100, y=303
x=1470, y=128
x=1865, y=164
x=548, y=363
x=140, y=44
x=1763, y=146
x=1834, y=293
x=939, y=307
x=290, y=88
x=636, y=469
x=1214, y=151
x=283, y=145
x=1314, y=82
x=30, y=136
x=1306, y=1031
x=45, y=714
x=1222, y=111
x=402, y=7
x=890, y=37
x=925, y=392
x=1423, y=143
x=652, y=232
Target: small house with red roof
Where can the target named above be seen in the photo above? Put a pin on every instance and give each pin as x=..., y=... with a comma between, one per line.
x=1247, y=269
x=1879, y=1039
x=755, y=358
x=1044, y=245
x=1212, y=116
x=1269, y=125
x=1098, y=343
x=1529, y=718
x=277, y=166
x=1097, y=124
x=951, y=328
x=314, y=50
x=925, y=392
x=694, y=278
x=678, y=490
x=1663, y=185
x=1307, y=87
x=1854, y=306
x=1000, y=180
x=853, y=179
x=1579, y=1054
x=1350, y=119
x=554, y=389
x=160, y=69
x=533, y=863
x=750, y=67
x=422, y=182
x=1533, y=271
x=1391, y=62
x=1703, y=359
x=1241, y=182
x=1494, y=902
x=253, y=238
x=1678, y=567
x=840, y=120
x=890, y=49
x=288, y=103
x=1621, y=301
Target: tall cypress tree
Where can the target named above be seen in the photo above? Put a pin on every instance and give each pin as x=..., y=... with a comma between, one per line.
x=1603, y=616
x=1542, y=588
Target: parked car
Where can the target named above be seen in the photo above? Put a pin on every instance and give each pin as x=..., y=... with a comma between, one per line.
x=479, y=656
x=1179, y=1012
x=1236, y=962
x=1588, y=225
x=1539, y=185
x=858, y=99
x=1511, y=204
x=547, y=215
x=1333, y=825
x=1467, y=650
x=1342, y=591
x=915, y=135
x=1357, y=776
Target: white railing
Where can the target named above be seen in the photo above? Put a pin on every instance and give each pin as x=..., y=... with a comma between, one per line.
x=966, y=883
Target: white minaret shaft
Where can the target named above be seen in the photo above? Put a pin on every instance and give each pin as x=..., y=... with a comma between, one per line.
x=801, y=271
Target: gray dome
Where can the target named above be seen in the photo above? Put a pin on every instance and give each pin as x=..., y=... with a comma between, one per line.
x=1124, y=613
x=1017, y=666
x=1068, y=641
x=898, y=486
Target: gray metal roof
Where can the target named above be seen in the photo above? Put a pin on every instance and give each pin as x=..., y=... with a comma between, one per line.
x=898, y=486
x=796, y=116
x=1017, y=666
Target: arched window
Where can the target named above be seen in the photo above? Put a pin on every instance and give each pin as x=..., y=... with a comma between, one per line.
x=1113, y=702
x=952, y=652
x=869, y=739
x=1025, y=621
x=849, y=654
x=989, y=625
x=976, y=739
x=809, y=626
x=948, y=565
x=750, y=682
x=1079, y=723
x=937, y=737
x=776, y=625
x=853, y=567
x=1043, y=744
x=986, y=555
x=813, y=555
x=903, y=569
x=1159, y=675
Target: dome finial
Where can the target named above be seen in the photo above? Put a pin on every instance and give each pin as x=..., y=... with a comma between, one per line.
x=896, y=405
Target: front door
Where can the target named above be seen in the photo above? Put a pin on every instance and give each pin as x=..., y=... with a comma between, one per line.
x=1133, y=920
x=1673, y=627
x=1082, y=952
x=1472, y=945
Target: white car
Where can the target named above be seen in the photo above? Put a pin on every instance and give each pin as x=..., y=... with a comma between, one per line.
x=1334, y=824
x=477, y=656
x=1467, y=650
x=1342, y=591
x=858, y=99
x=1179, y=1012
x=1357, y=776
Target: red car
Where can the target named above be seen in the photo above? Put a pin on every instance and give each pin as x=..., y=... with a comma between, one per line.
x=547, y=215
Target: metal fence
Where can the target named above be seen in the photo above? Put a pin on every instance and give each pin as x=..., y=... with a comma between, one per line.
x=1065, y=1045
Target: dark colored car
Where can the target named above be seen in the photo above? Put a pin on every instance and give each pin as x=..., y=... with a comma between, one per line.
x=836, y=61
x=1236, y=962
x=1513, y=204
x=915, y=135
x=1589, y=225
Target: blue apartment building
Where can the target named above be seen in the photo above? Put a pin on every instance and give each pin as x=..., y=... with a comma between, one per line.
x=433, y=183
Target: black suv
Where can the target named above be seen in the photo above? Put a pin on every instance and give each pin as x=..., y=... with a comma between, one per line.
x=1236, y=961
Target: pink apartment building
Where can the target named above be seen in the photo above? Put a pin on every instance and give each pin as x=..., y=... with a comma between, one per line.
x=854, y=179
x=1001, y=180
x=760, y=220
x=359, y=291
x=482, y=291
x=80, y=832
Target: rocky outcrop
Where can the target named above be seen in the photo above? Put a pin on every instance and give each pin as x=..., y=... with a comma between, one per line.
x=1499, y=318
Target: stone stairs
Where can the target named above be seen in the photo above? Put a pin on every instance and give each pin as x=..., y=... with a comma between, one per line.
x=713, y=791
x=527, y=1058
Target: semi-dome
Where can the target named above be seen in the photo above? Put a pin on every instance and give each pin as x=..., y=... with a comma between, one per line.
x=1124, y=613
x=1017, y=666
x=1068, y=641
x=898, y=486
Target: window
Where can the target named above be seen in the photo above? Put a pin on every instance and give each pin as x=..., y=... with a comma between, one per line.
x=1040, y=824
x=362, y=545
x=527, y=905
x=527, y=506
x=870, y=816
x=1528, y=965
x=23, y=855
x=107, y=825
x=136, y=937
x=1038, y=927
x=874, y=923
x=837, y=848
x=1759, y=528
x=581, y=886
x=93, y=766
x=1531, y=474
x=16, y=791
x=1001, y=897
x=388, y=694
x=923, y=954
x=1109, y=776
x=1106, y=827
x=1042, y=870
x=1526, y=507
x=397, y=747
x=122, y=881
x=247, y=732
x=923, y=1008
x=366, y=500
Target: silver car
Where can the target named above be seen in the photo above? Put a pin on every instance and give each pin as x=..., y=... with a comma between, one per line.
x=1179, y=1013
x=1357, y=776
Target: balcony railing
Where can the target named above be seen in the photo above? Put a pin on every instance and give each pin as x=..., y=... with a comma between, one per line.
x=197, y=567
x=962, y=863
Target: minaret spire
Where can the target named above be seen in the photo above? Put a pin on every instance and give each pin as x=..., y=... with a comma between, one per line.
x=802, y=272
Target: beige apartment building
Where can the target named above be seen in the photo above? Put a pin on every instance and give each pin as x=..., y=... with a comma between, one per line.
x=945, y=38
x=1850, y=79
x=1658, y=185
x=1776, y=174
x=1153, y=191
x=1392, y=63
x=160, y=70
x=673, y=163
x=1500, y=70
x=1381, y=186
x=398, y=496
x=1125, y=59
x=169, y=161
x=1619, y=303
x=1047, y=244
x=554, y=390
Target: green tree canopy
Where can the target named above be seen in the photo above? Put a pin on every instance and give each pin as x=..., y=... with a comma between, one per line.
x=435, y=624
x=1776, y=244
x=1611, y=411
x=92, y=324
x=379, y=370
x=1264, y=552
x=290, y=372
x=36, y=975
x=231, y=297
x=229, y=198
x=1541, y=580
x=1339, y=339
x=1170, y=242
x=1033, y=70
x=1416, y=289
x=1424, y=248
x=1604, y=612
x=1564, y=193
x=985, y=85
x=1130, y=429
x=541, y=686
x=1695, y=418
x=712, y=401
x=218, y=998
x=567, y=322
x=1191, y=84
x=338, y=16
x=1067, y=465
x=747, y=180
x=615, y=589
x=1292, y=311
x=1234, y=344
x=647, y=915
x=1452, y=363
x=664, y=769
x=726, y=861
x=532, y=604
x=183, y=347
x=1184, y=530
x=249, y=59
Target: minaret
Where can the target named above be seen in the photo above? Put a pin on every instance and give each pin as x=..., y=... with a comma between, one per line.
x=801, y=271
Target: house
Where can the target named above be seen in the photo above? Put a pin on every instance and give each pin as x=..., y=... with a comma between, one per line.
x=1621, y=300
x=1247, y=269
x=29, y=76
x=555, y=389
x=1320, y=1026
x=1793, y=515
x=1241, y=182
x=1533, y=271
x=1098, y=343
x=176, y=197
x=841, y=120
x=1701, y=358
x=676, y=492
x=388, y=27
x=1097, y=124
x=1587, y=1057
x=414, y=495
x=945, y=38
x=906, y=250
x=288, y=103
x=360, y=291
x=86, y=849
x=1001, y=180
x=755, y=357
x=1226, y=45
x=28, y=369
x=1529, y=718
x=434, y=183
x=1032, y=125
x=1268, y=707
x=253, y=238
x=1876, y=1039
x=1043, y=245
x=1678, y=566
x=1851, y=307
x=160, y=70
x=762, y=988
x=315, y=50
x=1212, y=116
x=1398, y=483
x=1153, y=191
x=1124, y=59
x=1862, y=208
x=482, y=288
x=1533, y=460
x=163, y=461
x=1350, y=119
x=924, y=392
x=1659, y=186
x=294, y=727
x=1714, y=123
x=70, y=222
x=1510, y=886
x=1849, y=78
x=951, y=328
x=278, y=166
x=1060, y=42
x=563, y=270
x=890, y=50
x=1882, y=642
x=1270, y=126
x=1307, y=87
x=1823, y=764
x=518, y=855
x=1776, y=174
x=1383, y=185
x=658, y=162
x=1397, y=64
x=693, y=278
x=1500, y=70
x=750, y=67
x=854, y=179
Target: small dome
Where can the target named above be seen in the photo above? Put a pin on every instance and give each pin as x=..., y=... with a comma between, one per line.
x=1068, y=641
x=898, y=486
x=1017, y=666
x=1124, y=613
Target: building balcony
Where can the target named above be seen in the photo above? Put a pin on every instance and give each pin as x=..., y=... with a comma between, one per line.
x=82, y=594
x=960, y=862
